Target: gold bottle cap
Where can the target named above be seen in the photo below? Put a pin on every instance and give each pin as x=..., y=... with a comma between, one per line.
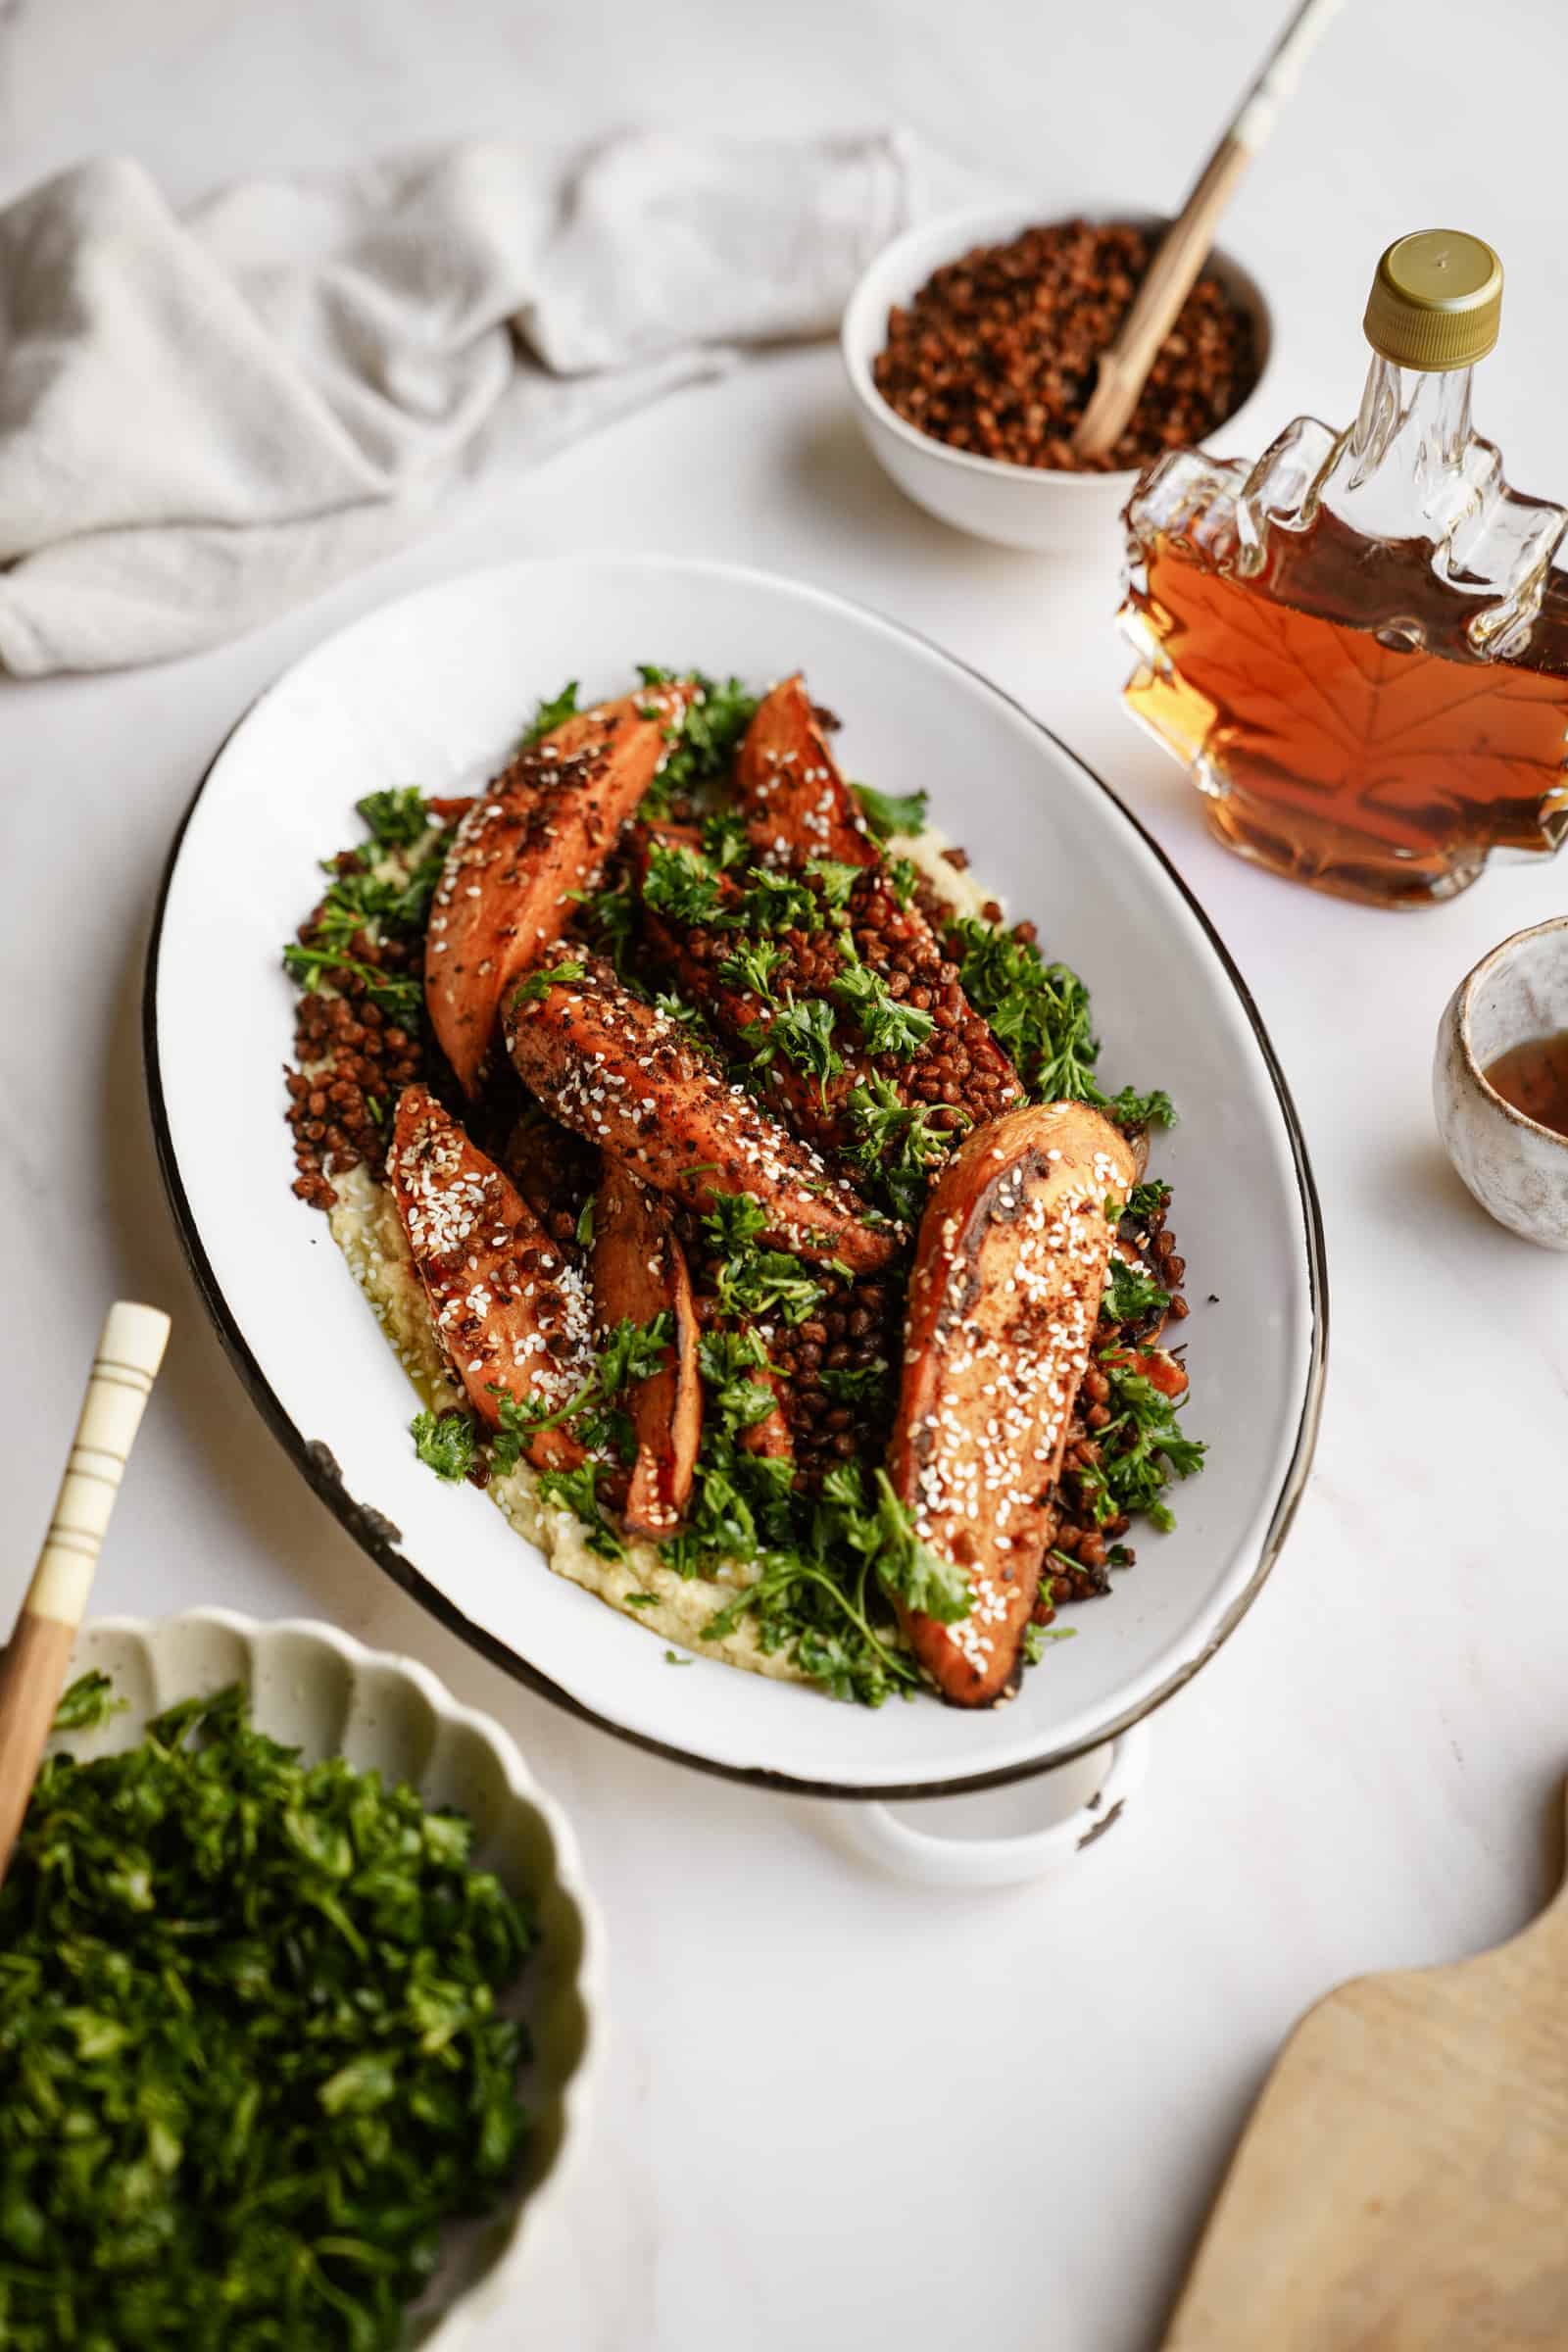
x=1436, y=301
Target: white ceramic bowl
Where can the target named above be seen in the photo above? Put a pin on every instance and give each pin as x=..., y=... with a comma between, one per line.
x=1516, y=1168
x=1016, y=505
x=315, y=1689
x=434, y=688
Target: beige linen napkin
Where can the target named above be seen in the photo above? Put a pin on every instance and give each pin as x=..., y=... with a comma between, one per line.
x=205, y=417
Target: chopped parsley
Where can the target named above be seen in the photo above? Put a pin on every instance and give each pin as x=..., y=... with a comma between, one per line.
x=552, y=712
x=88, y=1703
x=578, y=1490
x=1039, y=1013
x=362, y=907
x=1142, y=1448
x=1132, y=1292
x=751, y=966
x=632, y=1353
x=888, y=1025
x=610, y=918
x=680, y=883
x=396, y=818
x=898, y=1142
x=778, y=902
x=889, y=812
x=753, y=1281
x=803, y=1030
x=730, y=1362
x=538, y=985
x=725, y=840
x=834, y=880
x=255, y=2046
x=446, y=1443
x=708, y=738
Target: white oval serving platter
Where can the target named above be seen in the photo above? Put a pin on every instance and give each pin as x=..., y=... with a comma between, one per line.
x=432, y=691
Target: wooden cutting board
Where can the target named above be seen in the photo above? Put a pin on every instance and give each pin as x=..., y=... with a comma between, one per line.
x=1403, y=2185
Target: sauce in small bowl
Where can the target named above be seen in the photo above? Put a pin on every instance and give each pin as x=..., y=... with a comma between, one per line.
x=1499, y=1083
x=1533, y=1078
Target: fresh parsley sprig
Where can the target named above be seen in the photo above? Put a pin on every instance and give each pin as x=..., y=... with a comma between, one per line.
x=552, y=712
x=890, y=812
x=753, y=1281
x=1131, y=1293
x=888, y=1025
x=1039, y=1013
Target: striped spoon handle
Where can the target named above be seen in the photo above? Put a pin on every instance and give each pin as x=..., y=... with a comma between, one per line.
x=32, y=1668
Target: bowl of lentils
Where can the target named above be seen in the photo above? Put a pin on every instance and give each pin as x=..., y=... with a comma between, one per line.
x=971, y=344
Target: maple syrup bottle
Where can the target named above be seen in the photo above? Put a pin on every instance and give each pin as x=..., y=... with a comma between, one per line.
x=1359, y=647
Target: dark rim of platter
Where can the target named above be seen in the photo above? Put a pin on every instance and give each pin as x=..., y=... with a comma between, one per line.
x=377, y=1536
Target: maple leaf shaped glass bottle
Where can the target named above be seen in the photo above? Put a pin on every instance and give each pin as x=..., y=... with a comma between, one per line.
x=1359, y=646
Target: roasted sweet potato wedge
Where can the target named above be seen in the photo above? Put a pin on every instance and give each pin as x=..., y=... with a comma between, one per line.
x=638, y=1272
x=541, y=831
x=510, y=1312
x=1009, y=1274
x=793, y=798
x=629, y=1077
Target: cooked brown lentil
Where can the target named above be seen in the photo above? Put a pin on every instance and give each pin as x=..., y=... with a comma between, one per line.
x=998, y=350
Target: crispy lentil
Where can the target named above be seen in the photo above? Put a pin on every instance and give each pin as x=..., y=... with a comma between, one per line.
x=996, y=353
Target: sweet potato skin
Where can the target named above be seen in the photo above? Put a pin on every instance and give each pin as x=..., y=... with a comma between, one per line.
x=1009, y=1274
x=639, y=1271
x=508, y=1309
x=628, y=1076
x=540, y=832
x=793, y=798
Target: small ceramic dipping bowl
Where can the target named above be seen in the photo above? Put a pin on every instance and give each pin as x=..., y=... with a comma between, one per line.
x=1050, y=510
x=1516, y=1168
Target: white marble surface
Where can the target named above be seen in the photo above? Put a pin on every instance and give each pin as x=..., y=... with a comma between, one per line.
x=838, y=2108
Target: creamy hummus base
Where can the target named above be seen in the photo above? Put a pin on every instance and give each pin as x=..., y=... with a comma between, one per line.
x=366, y=1229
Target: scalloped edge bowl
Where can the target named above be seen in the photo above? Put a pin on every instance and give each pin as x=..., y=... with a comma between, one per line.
x=320, y=1691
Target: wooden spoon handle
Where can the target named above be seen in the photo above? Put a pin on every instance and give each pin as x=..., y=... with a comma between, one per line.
x=32, y=1668
x=1184, y=246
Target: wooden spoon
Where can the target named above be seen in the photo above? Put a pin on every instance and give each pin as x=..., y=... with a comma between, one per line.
x=1183, y=248
x=32, y=1668
x=1403, y=2180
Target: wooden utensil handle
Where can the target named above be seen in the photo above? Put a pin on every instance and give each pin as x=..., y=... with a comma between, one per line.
x=1169, y=279
x=32, y=1668
x=1184, y=249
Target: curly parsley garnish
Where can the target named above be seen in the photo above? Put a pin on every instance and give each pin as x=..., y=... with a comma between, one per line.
x=1142, y=1448
x=682, y=883
x=552, y=711
x=397, y=819
x=888, y=1025
x=1040, y=1013
x=704, y=744
x=753, y=1281
x=1132, y=1292
x=446, y=1443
